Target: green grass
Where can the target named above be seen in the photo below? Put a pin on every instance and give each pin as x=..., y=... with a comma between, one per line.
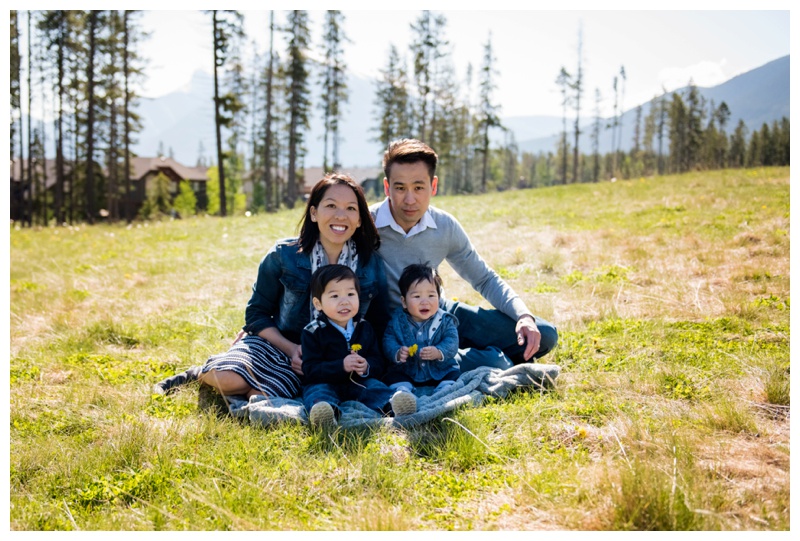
x=671, y=295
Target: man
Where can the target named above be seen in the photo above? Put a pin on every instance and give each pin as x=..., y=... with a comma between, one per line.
x=414, y=232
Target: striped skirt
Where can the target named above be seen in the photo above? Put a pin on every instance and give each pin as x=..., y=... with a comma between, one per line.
x=263, y=366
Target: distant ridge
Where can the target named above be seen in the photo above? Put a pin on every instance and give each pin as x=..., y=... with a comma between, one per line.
x=757, y=96
x=183, y=119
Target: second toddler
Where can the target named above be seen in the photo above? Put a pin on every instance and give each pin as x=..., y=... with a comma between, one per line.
x=421, y=339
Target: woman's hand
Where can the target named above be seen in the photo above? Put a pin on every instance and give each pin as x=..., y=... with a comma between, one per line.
x=355, y=363
x=239, y=336
x=297, y=360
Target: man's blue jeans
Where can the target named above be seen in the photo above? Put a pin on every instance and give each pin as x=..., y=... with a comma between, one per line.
x=374, y=394
x=489, y=338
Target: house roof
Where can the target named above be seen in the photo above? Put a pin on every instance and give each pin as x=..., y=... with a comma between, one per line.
x=141, y=167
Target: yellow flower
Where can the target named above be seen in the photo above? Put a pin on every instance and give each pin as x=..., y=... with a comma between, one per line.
x=413, y=350
x=355, y=348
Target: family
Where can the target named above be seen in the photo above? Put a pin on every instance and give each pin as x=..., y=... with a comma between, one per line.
x=352, y=309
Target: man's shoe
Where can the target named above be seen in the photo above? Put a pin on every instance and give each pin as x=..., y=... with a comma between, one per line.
x=168, y=385
x=403, y=403
x=322, y=416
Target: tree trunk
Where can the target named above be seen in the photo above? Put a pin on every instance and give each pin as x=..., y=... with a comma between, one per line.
x=218, y=125
x=58, y=204
x=30, y=132
x=268, y=135
x=127, y=134
x=90, y=121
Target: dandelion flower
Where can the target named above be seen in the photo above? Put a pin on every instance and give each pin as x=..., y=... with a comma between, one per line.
x=413, y=350
x=355, y=348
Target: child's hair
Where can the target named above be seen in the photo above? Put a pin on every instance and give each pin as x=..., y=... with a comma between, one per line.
x=326, y=274
x=416, y=272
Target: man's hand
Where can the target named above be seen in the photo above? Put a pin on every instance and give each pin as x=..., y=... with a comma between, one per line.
x=529, y=336
x=297, y=360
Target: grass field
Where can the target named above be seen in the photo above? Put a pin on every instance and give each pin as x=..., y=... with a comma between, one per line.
x=671, y=295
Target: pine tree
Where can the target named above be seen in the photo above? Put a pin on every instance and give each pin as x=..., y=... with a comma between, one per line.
x=614, y=125
x=391, y=101
x=422, y=45
x=660, y=128
x=298, y=38
x=649, y=136
x=334, y=84
x=722, y=115
x=131, y=70
x=737, y=155
x=488, y=110
x=754, y=150
x=623, y=76
x=767, y=148
x=15, y=89
x=90, y=203
x=227, y=26
x=564, y=81
x=577, y=87
x=442, y=91
x=596, y=137
x=636, y=157
x=268, y=141
x=678, y=135
x=695, y=116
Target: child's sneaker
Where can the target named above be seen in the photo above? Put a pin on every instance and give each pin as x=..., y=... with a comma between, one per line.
x=403, y=403
x=321, y=416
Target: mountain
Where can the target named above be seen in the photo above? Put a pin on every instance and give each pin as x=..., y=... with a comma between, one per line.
x=757, y=96
x=184, y=120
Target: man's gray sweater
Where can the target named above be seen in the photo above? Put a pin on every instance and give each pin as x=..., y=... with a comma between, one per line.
x=447, y=241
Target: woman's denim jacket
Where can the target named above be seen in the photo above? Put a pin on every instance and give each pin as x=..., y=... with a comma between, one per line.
x=282, y=293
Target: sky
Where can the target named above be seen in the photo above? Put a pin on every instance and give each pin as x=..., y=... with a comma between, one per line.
x=658, y=49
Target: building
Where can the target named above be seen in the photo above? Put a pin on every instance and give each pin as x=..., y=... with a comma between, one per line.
x=143, y=171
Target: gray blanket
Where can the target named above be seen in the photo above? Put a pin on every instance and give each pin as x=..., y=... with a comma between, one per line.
x=471, y=388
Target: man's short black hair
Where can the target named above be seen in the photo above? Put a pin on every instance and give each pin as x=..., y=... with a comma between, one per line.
x=409, y=151
x=416, y=272
x=328, y=273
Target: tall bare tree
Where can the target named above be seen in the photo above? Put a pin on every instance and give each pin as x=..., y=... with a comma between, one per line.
x=577, y=86
x=564, y=81
x=596, y=137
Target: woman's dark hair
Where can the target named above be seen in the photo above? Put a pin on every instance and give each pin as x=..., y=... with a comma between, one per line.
x=366, y=236
x=416, y=272
x=327, y=274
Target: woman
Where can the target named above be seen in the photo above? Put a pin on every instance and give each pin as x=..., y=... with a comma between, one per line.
x=336, y=228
